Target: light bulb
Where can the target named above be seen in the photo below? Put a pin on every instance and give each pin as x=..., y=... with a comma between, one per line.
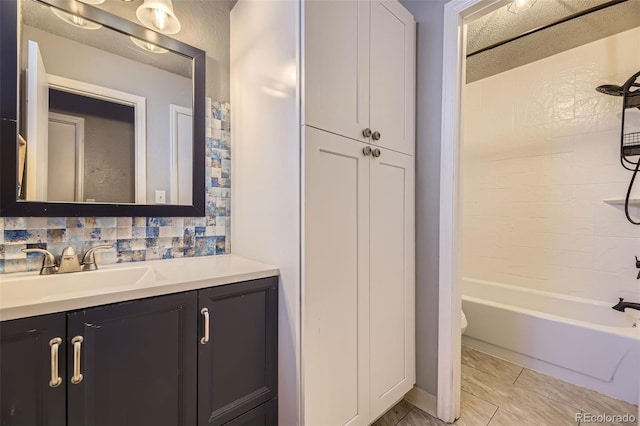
x=160, y=19
x=78, y=21
x=158, y=15
x=519, y=5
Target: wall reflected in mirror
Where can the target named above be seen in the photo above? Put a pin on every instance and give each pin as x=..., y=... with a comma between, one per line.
x=104, y=117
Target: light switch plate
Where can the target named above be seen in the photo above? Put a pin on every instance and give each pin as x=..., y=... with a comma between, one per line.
x=161, y=196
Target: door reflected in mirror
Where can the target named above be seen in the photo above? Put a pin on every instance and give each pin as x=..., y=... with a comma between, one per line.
x=106, y=118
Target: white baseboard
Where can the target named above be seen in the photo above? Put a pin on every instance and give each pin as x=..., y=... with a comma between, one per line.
x=423, y=400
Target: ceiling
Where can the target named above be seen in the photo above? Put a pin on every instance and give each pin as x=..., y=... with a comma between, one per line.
x=195, y=16
x=501, y=25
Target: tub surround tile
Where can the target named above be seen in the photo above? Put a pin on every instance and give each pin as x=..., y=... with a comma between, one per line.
x=395, y=415
x=519, y=401
x=574, y=396
x=533, y=190
x=491, y=365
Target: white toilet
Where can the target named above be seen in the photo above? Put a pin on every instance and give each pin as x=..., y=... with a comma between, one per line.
x=463, y=322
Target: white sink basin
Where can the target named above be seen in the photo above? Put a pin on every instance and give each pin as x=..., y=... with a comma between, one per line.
x=32, y=289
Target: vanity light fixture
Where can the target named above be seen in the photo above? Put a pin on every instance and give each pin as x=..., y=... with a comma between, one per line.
x=519, y=5
x=92, y=1
x=149, y=47
x=76, y=21
x=158, y=15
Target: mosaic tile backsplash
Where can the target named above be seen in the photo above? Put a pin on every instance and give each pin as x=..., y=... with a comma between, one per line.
x=136, y=239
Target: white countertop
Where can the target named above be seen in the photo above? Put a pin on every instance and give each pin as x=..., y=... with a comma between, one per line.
x=29, y=294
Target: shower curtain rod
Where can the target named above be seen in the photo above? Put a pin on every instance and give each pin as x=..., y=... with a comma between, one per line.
x=553, y=24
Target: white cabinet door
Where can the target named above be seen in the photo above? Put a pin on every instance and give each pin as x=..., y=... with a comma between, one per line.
x=336, y=66
x=335, y=295
x=392, y=73
x=392, y=279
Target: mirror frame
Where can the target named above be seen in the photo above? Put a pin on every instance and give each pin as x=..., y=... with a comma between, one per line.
x=9, y=93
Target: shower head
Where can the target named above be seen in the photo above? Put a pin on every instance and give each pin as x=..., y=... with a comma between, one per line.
x=629, y=88
x=610, y=89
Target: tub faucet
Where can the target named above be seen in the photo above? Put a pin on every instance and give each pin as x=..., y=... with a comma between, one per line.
x=622, y=305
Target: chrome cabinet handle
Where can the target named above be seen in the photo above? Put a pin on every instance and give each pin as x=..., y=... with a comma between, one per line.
x=376, y=136
x=56, y=380
x=205, y=314
x=366, y=133
x=77, y=349
x=366, y=150
x=376, y=153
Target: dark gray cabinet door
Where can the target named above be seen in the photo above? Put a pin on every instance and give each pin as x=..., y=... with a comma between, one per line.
x=264, y=415
x=238, y=366
x=26, y=397
x=138, y=363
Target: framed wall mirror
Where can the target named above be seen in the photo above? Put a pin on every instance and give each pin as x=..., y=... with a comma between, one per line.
x=100, y=116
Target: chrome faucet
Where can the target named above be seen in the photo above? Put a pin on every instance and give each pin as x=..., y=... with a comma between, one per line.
x=68, y=261
x=49, y=264
x=622, y=305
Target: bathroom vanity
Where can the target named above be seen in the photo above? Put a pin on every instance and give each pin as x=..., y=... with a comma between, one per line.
x=188, y=341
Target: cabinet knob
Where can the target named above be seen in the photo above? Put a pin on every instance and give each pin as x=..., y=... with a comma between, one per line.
x=376, y=136
x=366, y=150
x=376, y=153
x=366, y=133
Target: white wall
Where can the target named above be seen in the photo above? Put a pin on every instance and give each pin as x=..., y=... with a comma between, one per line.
x=541, y=152
x=266, y=166
x=429, y=17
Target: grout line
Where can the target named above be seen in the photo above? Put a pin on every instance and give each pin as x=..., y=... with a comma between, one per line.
x=402, y=418
x=482, y=399
x=493, y=415
x=519, y=374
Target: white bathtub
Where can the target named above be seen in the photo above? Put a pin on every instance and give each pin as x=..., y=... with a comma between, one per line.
x=578, y=340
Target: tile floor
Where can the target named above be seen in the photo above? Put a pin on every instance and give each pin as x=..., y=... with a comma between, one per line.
x=498, y=393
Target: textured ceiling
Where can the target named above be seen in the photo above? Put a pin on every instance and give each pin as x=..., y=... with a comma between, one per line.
x=502, y=25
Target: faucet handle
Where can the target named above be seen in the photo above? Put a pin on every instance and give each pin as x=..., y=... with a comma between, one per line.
x=49, y=265
x=89, y=259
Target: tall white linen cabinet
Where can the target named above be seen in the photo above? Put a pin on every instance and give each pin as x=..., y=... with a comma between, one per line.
x=323, y=176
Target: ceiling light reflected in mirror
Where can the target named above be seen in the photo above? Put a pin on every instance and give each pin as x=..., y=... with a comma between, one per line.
x=149, y=47
x=75, y=20
x=517, y=6
x=159, y=16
